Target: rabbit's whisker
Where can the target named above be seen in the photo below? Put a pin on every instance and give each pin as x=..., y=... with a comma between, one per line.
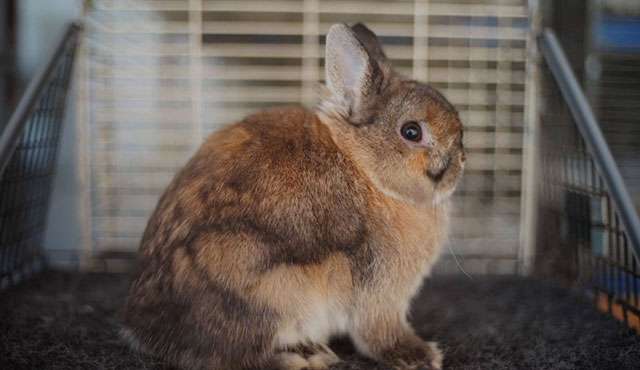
x=455, y=258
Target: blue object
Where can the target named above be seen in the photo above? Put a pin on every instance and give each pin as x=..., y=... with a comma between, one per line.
x=617, y=33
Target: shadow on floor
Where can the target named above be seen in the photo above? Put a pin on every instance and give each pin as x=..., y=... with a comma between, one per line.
x=65, y=321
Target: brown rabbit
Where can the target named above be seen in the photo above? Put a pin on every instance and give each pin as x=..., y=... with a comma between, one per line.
x=293, y=226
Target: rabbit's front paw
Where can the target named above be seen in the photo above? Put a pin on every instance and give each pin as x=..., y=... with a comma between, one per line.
x=425, y=356
x=313, y=356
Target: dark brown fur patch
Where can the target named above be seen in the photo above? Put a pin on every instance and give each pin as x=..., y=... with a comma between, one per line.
x=196, y=325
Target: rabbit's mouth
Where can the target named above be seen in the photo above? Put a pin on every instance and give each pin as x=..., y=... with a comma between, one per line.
x=445, y=174
x=436, y=172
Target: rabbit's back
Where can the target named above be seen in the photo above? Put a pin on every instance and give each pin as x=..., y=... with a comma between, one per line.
x=268, y=194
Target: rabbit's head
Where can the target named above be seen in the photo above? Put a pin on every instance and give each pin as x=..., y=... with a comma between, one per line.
x=404, y=133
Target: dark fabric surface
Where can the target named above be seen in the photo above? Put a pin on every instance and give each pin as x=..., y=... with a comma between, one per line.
x=69, y=321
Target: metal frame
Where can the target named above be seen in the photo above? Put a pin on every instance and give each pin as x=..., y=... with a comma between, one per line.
x=29, y=100
x=591, y=133
x=28, y=152
x=588, y=231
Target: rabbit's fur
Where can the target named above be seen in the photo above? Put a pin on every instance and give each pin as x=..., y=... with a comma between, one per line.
x=292, y=226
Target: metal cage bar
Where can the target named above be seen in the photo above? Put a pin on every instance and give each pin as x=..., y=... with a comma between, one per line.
x=28, y=148
x=588, y=228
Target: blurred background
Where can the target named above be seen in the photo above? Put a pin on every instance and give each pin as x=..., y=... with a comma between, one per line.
x=152, y=78
x=96, y=118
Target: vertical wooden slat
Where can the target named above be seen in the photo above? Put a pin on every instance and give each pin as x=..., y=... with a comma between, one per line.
x=195, y=58
x=310, y=52
x=83, y=163
x=421, y=40
x=531, y=155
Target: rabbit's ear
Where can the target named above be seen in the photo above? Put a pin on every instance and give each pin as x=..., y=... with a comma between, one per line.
x=352, y=75
x=370, y=41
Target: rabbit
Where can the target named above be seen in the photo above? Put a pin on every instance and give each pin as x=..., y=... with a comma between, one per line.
x=293, y=226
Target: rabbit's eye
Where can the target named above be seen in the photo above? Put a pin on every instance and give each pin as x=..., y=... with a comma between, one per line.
x=411, y=131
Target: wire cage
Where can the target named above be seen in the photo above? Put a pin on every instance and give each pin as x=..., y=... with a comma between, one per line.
x=541, y=197
x=28, y=148
x=587, y=224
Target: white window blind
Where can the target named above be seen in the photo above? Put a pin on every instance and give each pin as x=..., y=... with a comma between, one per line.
x=162, y=75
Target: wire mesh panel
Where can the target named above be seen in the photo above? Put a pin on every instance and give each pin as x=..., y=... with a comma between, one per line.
x=581, y=237
x=163, y=74
x=25, y=183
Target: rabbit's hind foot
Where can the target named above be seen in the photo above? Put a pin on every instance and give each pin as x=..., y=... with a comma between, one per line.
x=312, y=356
